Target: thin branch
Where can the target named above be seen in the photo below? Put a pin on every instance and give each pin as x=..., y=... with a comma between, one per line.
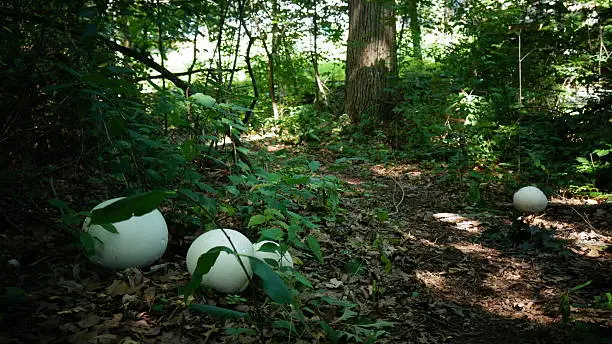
x=195, y=71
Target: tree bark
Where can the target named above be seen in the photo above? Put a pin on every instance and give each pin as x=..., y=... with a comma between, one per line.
x=320, y=89
x=371, y=60
x=247, y=60
x=415, y=29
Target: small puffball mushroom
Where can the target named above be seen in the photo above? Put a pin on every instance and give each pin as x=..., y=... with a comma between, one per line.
x=14, y=263
x=226, y=275
x=140, y=240
x=529, y=199
x=263, y=255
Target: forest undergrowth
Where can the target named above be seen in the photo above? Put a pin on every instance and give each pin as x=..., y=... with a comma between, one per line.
x=405, y=258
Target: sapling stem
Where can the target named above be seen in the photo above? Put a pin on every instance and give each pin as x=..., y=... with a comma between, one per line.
x=211, y=219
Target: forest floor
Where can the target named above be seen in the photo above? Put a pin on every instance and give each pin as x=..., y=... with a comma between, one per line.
x=408, y=250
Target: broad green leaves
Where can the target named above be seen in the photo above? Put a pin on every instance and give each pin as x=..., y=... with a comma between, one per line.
x=273, y=285
x=125, y=208
x=315, y=247
x=203, y=99
x=256, y=220
x=205, y=263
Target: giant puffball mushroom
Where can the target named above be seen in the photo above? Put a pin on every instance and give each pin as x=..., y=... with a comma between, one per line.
x=264, y=255
x=529, y=199
x=227, y=274
x=140, y=240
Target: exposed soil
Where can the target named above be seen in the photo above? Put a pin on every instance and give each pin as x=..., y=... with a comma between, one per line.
x=409, y=250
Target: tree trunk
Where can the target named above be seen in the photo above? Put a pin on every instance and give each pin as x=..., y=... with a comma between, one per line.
x=415, y=29
x=320, y=89
x=371, y=60
x=272, y=54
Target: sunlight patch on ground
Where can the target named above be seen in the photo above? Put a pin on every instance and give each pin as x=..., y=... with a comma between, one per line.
x=258, y=137
x=572, y=201
x=432, y=280
x=396, y=171
x=460, y=222
x=475, y=249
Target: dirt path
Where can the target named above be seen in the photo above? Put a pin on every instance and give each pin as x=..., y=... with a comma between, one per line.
x=406, y=251
x=448, y=276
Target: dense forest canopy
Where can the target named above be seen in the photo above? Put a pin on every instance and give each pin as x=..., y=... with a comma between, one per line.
x=108, y=98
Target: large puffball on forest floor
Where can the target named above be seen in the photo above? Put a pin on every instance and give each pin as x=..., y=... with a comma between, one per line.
x=265, y=255
x=529, y=199
x=140, y=240
x=227, y=274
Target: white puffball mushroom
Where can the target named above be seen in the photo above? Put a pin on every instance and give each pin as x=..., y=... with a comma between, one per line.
x=263, y=255
x=529, y=199
x=14, y=263
x=140, y=240
x=226, y=275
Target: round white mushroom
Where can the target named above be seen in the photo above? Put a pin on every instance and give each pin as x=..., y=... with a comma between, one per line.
x=140, y=240
x=529, y=199
x=265, y=255
x=227, y=274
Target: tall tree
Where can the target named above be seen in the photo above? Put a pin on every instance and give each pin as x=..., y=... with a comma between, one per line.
x=371, y=60
x=415, y=28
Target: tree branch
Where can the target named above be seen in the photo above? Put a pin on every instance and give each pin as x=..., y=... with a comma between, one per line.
x=195, y=71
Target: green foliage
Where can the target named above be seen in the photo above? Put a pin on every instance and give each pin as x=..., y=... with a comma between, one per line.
x=564, y=302
x=217, y=312
x=303, y=123
x=205, y=262
x=123, y=209
x=273, y=285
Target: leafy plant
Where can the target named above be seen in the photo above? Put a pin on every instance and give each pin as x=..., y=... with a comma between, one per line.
x=564, y=301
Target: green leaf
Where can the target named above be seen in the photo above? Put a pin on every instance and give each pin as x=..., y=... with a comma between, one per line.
x=314, y=165
x=233, y=107
x=234, y=124
x=87, y=242
x=382, y=214
x=273, y=285
x=59, y=204
x=273, y=213
x=269, y=247
x=71, y=218
x=300, y=278
x=578, y=287
x=256, y=220
x=271, y=234
x=231, y=331
x=243, y=167
x=297, y=179
x=189, y=150
x=332, y=334
x=314, y=246
x=125, y=208
x=347, y=314
x=236, y=180
x=205, y=263
x=284, y=324
x=218, y=312
x=582, y=160
x=337, y=302
x=243, y=150
x=203, y=99
x=233, y=190
x=109, y=227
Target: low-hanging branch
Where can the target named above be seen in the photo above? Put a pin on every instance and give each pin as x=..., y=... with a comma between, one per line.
x=195, y=71
x=146, y=60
